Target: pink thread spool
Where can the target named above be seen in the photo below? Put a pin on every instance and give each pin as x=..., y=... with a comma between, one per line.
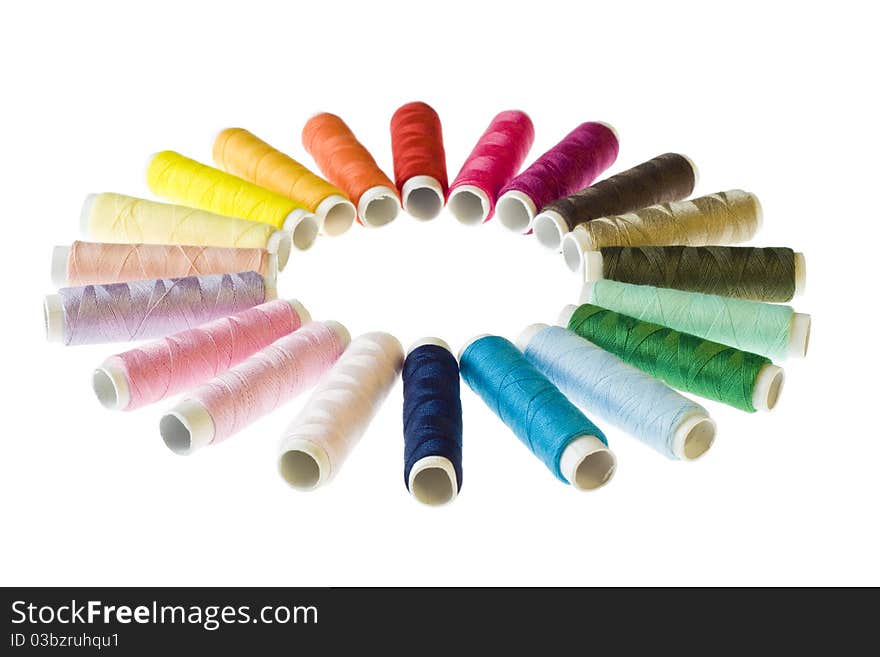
x=496, y=158
x=179, y=362
x=570, y=165
x=96, y=263
x=229, y=402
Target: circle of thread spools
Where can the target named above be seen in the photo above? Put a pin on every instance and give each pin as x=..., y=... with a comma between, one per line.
x=554, y=430
x=179, y=362
x=599, y=382
x=137, y=310
x=747, y=272
x=129, y=220
x=665, y=178
x=715, y=371
x=348, y=164
x=419, y=159
x=258, y=385
x=573, y=163
x=315, y=445
x=722, y=218
x=183, y=180
x=771, y=330
x=432, y=422
x=245, y=155
x=495, y=159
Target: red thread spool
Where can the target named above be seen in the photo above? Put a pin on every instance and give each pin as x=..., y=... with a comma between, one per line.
x=419, y=159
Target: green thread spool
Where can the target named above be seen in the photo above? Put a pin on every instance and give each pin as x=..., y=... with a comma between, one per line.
x=747, y=272
x=715, y=371
x=723, y=218
x=767, y=329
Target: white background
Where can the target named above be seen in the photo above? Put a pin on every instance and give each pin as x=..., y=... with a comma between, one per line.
x=772, y=100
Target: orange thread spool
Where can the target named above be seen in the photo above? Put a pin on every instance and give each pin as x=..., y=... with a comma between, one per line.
x=347, y=164
x=419, y=159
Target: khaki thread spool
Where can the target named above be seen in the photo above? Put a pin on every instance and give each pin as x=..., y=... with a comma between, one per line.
x=722, y=218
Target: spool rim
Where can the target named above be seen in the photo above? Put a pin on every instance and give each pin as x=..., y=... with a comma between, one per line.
x=461, y=203
x=432, y=481
x=550, y=228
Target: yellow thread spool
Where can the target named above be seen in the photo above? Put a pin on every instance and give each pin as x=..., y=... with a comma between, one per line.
x=245, y=155
x=128, y=220
x=183, y=180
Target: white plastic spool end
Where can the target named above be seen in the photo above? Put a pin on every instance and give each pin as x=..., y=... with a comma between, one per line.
x=53, y=315
x=565, y=315
x=799, y=335
x=280, y=243
x=550, y=228
x=421, y=342
x=759, y=211
x=610, y=127
x=303, y=228
x=693, y=436
x=85, y=216
x=60, y=257
x=187, y=427
x=587, y=463
x=587, y=292
x=422, y=197
x=768, y=387
x=574, y=245
x=526, y=335
x=432, y=481
x=593, y=266
x=694, y=168
x=469, y=204
x=337, y=215
x=516, y=211
x=111, y=386
x=378, y=206
x=270, y=289
x=468, y=343
x=340, y=330
x=304, y=465
x=800, y=273
x=304, y=315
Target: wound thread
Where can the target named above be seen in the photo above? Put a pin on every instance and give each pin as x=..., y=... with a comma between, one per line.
x=348, y=164
x=745, y=272
x=333, y=420
x=183, y=180
x=601, y=383
x=125, y=219
x=92, y=263
x=245, y=155
x=419, y=159
x=238, y=397
x=432, y=423
x=179, y=362
x=686, y=362
x=137, y=310
x=665, y=178
x=722, y=218
x=536, y=411
x=494, y=161
x=572, y=164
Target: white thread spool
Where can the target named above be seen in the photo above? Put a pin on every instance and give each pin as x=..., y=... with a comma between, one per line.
x=768, y=382
x=422, y=197
x=586, y=462
x=516, y=210
x=378, y=206
x=469, y=204
x=432, y=479
x=317, y=442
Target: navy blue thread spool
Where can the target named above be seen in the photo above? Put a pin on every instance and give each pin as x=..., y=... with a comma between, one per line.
x=432, y=422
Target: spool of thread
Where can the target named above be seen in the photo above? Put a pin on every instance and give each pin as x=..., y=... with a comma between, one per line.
x=419, y=159
x=715, y=371
x=273, y=376
x=571, y=446
x=92, y=263
x=746, y=272
x=572, y=164
x=722, y=218
x=340, y=409
x=600, y=382
x=179, y=362
x=182, y=180
x=139, y=310
x=128, y=220
x=771, y=330
x=245, y=155
x=498, y=155
x=665, y=178
x=348, y=164
x=432, y=423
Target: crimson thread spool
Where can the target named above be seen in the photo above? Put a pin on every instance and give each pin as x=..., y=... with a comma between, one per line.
x=419, y=159
x=572, y=164
x=497, y=156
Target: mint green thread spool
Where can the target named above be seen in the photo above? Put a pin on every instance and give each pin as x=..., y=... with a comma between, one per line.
x=771, y=330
